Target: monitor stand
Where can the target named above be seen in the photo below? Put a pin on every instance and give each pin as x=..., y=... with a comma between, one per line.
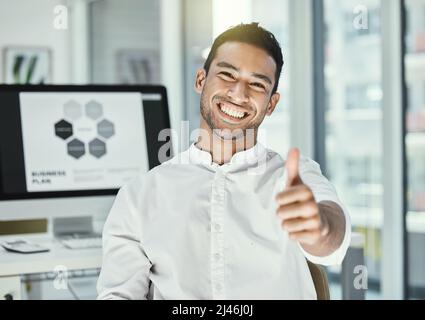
x=79, y=227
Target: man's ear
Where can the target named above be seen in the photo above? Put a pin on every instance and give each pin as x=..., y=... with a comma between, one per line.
x=201, y=76
x=273, y=103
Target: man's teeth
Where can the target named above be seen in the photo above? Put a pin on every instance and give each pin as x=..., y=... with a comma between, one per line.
x=231, y=112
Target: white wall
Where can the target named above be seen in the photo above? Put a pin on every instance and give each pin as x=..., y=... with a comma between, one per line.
x=30, y=23
x=117, y=25
x=140, y=24
x=112, y=25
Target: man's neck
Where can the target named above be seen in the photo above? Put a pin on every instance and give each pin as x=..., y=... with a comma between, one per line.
x=221, y=149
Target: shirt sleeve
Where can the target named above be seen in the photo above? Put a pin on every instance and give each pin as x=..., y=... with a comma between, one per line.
x=125, y=267
x=323, y=190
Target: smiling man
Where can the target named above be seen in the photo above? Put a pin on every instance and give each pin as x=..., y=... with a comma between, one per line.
x=227, y=218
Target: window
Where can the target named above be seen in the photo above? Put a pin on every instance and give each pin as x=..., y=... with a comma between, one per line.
x=415, y=146
x=353, y=121
x=363, y=96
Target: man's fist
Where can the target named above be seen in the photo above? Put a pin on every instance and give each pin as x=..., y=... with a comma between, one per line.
x=297, y=207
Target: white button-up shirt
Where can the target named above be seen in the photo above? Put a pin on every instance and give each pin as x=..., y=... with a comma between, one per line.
x=191, y=229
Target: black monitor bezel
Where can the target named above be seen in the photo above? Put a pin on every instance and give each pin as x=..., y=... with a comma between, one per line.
x=144, y=89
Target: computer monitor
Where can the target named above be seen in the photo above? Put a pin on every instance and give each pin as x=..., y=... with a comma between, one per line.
x=65, y=150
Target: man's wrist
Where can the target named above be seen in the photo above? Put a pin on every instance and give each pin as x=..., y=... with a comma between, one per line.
x=332, y=230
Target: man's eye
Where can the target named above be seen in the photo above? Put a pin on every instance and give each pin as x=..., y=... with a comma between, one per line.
x=227, y=75
x=258, y=85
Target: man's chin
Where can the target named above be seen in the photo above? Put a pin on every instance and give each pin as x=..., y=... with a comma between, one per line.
x=223, y=130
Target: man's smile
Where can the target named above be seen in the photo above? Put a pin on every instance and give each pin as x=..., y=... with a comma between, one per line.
x=230, y=112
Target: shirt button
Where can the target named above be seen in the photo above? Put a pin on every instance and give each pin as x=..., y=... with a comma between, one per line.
x=217, y=256
x=218, y=287
x=217, y=227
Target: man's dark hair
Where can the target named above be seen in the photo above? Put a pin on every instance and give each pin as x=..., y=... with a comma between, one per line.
x=254, y=35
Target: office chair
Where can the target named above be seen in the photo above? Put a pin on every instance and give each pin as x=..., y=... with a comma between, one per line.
x=318, y=274
x=320, y=281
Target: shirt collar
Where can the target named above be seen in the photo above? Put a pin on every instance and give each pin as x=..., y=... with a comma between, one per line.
x=244, y=158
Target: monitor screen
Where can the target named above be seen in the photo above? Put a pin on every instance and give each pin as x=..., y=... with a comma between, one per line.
x=62, y=141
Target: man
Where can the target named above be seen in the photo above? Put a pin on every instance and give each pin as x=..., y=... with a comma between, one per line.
x=226, y=219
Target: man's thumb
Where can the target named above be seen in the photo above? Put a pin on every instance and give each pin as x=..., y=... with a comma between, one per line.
x=291, y=166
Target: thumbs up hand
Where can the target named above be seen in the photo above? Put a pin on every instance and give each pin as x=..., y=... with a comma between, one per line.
x=297, y=207
x=292, y=168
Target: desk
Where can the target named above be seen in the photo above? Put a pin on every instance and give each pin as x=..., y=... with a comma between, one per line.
x=15, y=265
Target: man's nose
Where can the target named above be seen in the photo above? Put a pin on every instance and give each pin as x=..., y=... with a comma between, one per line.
x=239, y=93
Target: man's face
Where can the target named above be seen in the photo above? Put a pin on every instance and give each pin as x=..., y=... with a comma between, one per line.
x=237, y=92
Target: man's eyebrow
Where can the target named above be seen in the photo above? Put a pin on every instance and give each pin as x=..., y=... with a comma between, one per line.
x=224, y=64
x=263, y=77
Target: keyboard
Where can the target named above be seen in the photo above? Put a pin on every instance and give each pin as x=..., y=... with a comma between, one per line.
x=82, y=243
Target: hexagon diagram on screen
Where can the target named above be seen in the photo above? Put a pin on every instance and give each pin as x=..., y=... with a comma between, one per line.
x=63, y=129
x=97, y=148
x=94, y=110
x=105, y=128
x=84, y=129
x=76, y=148
x=72, y=110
